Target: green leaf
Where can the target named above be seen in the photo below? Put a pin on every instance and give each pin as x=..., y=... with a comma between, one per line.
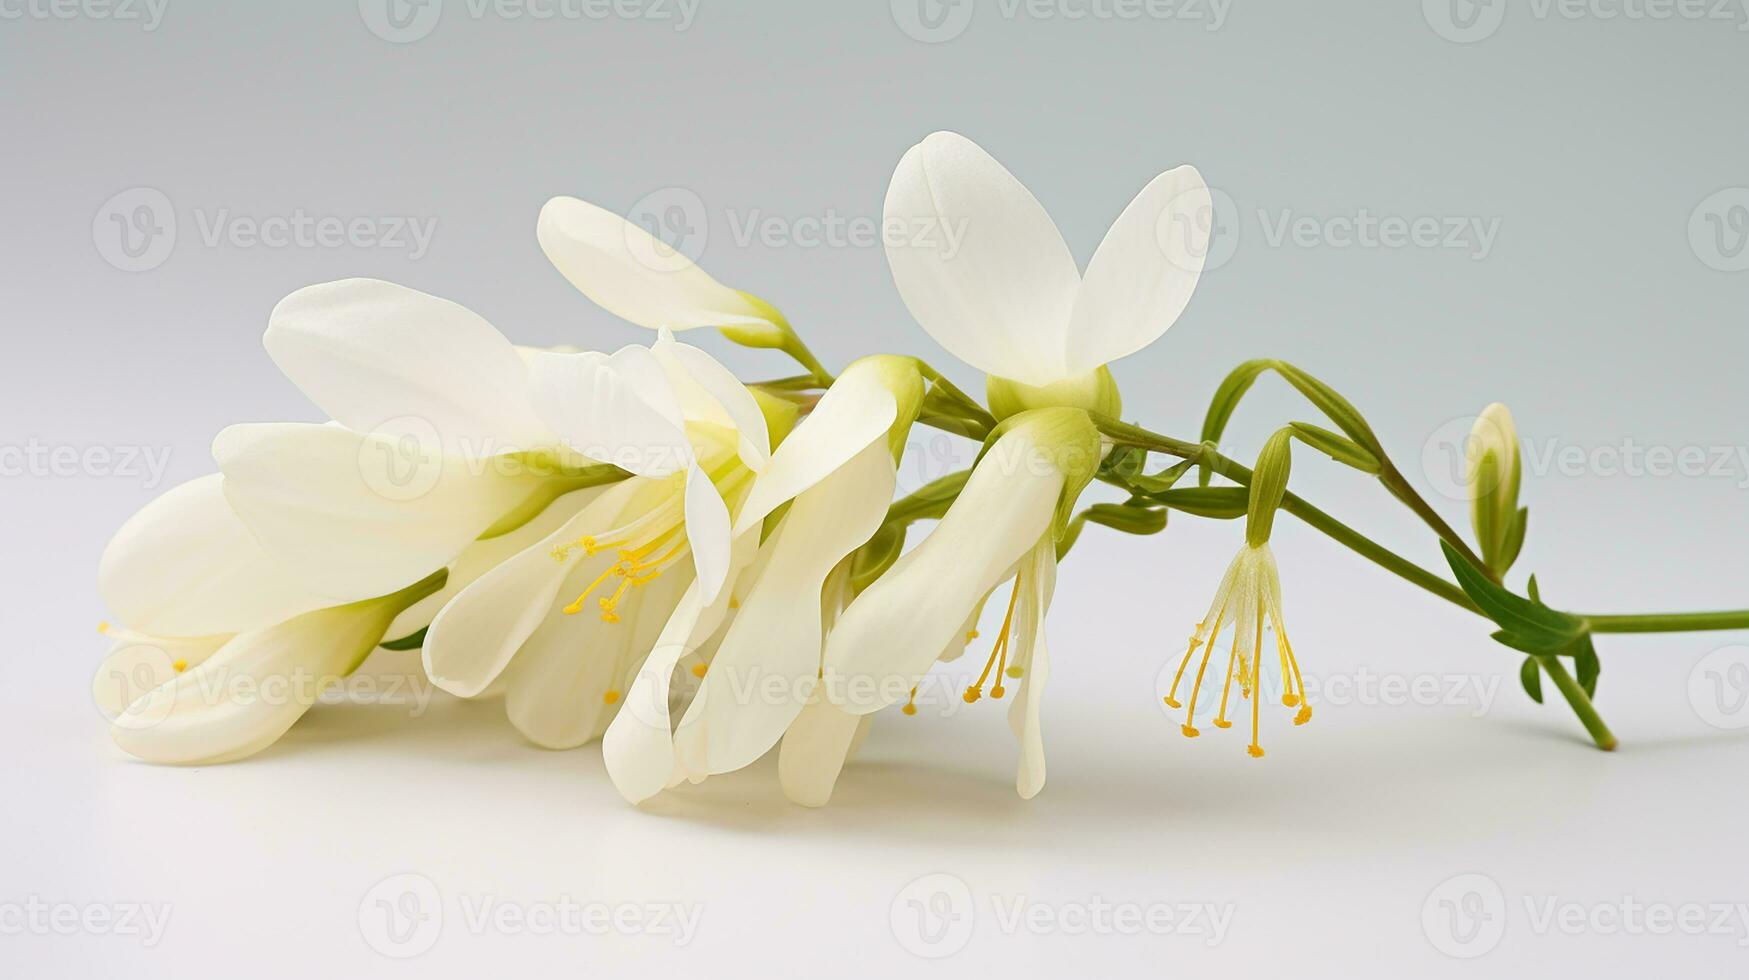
x=1514, y=542
x=1531, y=622
x=1128, y=518
x=1220, y=503
x=1531, y=676
x=1586, y=665
x=1162, y=481
x=1536, y=594
x=1339, y=448
x=1233, y=388
x=1226, y=400
x=412, y=641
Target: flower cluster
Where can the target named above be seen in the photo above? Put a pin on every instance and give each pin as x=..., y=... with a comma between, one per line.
x=639, y=548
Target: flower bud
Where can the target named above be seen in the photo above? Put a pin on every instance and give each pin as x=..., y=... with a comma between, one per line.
x=1492, y=473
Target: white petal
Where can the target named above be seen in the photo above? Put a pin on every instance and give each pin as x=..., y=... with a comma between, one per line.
x=379, y=357
x=895, y=629
x=474, y=638
x=854, y=412
x=245, y=696
x=634, y=275
x=725, y=400
x=707, y=534
x=138, y=664
x=617, y=409
x=768, y=664
x=186, y=565
x=638, y=748
x=1039, y=582
x=557, y=687
x=1000, y=297
x=814, y=752
x=1144, y=272
x=354, y=516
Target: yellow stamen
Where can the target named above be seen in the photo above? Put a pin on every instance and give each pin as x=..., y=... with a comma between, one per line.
x=999, y=651
x=611, y=697
x=103, y=628
x=180, y=666
x=576, y=607
x=971, y=635
x=1256, y=746
x=911, y=705
x=1208, y=648
x=698, y=670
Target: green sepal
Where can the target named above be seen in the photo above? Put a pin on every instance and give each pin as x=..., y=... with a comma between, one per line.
x=1128, y=517
x=1268, y=485
x=1333, y=405
x=1531, y=676
x=1534, y=626
x=1219, y=503
x=874, y=558
x=411, y=641
x=1339, y=448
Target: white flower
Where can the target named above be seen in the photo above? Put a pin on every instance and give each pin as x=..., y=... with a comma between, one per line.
x=437, y=441
x=1011, y=301
x=837, y=473
x=1002, y=526
x=221, y=649
x=569, y=619
x=1249, y=597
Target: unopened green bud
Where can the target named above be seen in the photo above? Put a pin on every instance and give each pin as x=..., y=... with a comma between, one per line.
x=1268, y=486
x=1492, y=472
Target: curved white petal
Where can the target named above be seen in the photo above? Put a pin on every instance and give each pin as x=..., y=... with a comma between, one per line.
x=896, y=629
x=710, y=392
x=638, y=748
x=558, y=684
x=707, y=534
x=769, y=662
x=855, y=412
x=1039, y=573
x=634, y=275
x=474, y=638
x=814, y=752
x=383, y=358
x=1000, y=296
x=186, y=565
x=138, y=664
x=356, y=516
x=245, y=696
x=617, y=409
x=1144, y=272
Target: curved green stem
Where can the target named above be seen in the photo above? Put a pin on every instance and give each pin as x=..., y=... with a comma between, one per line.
x=1577, y=699
x=1668, y=622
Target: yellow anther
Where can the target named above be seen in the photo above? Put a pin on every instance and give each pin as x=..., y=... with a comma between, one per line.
x=611, y=697
x=1304, y=716
x=698, y=670
x=1016, y=671
x=1289, y=700
x=911, y=704
x=1223, y=723
x=180, y=666
x=103, y=627
x=1189, y=732
x=1255, y=750
x=971, y=635
x=1172, y=702
x=734, y=603
x=972, y=694
x=997, y=692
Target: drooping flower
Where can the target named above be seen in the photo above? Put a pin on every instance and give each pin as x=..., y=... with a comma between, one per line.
x=1249, y=597
x=1011, y=301
x=1003, y=526
x=836, y=474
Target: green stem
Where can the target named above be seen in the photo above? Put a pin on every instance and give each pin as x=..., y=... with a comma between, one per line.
x=1400, y=488
x=1576, y=698
x=1669, y=622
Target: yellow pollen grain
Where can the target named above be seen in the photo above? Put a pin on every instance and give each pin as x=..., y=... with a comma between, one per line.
x=611, y=697
x=698, y=670
x=180, y=666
